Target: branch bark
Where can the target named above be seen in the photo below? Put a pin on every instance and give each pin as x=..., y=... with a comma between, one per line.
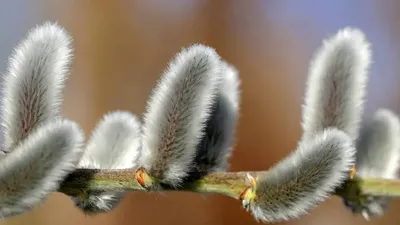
x=231, y=184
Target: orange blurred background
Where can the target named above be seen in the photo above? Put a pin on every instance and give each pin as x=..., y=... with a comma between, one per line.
x=121, y=48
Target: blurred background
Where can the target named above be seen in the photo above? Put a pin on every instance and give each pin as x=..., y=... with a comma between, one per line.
x=122, y=46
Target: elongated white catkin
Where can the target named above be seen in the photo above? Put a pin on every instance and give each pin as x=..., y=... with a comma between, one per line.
x=378, y=148
x=215, y=147
x=37, y=165
x=115, y=144
x=336, y=84
x=177, y=112
x=34, y=81
x=378, y=154
x=305, y=178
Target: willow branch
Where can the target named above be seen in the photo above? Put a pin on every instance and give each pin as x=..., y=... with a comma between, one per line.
x=231, y=184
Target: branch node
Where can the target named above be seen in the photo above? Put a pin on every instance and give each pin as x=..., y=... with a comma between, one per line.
x=249, y=194
x=144, y=179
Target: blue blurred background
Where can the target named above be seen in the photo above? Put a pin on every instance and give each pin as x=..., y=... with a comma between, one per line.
x=122, y=46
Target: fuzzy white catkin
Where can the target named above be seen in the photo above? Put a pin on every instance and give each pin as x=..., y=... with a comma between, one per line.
x=37, y=165
x=378, y=154
x=215, y=147
x=336, y=84
x=115, y=144
x=177, y=112
x=305, y=178
x=379, y=146
x=34, y=80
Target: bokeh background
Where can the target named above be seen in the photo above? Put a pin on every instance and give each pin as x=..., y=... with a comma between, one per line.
x=122, y=46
